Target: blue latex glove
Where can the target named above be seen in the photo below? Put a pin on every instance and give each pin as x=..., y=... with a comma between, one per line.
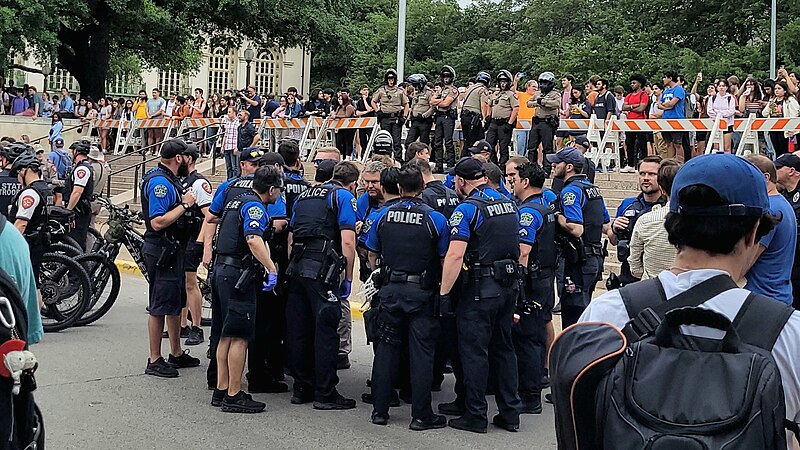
x=344, y=289
x=272, y=281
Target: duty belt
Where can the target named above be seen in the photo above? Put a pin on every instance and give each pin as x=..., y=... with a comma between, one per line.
x=593, y=249
x=229, y=260
x=482, y=271
x=401, y=277
x=504, y=119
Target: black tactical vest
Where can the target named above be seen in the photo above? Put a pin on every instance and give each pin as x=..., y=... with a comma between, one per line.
x=498, y=236
x=633, y=212
x=408, y=237
x=294, y=185
x=178, y=229
x=440, y=198
x=9, y=187
x=592, y=208
x=314, y=219
x=38, y=222
x=544, y=254
x=193, y=216
x=230, y=239
x=84, y=206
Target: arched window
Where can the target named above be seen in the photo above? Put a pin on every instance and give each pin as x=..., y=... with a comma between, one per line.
x=220, y=64
x=266, y=73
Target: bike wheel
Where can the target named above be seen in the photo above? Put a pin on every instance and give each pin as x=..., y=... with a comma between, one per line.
x=67, y=240
x=66, y=291
x=64, y=249
x=105, y=280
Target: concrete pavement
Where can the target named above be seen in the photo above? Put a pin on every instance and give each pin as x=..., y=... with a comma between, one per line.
x=94, y=394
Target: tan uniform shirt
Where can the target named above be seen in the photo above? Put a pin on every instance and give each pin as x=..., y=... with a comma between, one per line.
x=550, y=104
x=420, y=104
x=503, y=104
x=391, y=99
x=476, y=95
x=449, y=91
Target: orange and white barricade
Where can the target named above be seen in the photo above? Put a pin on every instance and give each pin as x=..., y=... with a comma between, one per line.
x=188, y=125
x=354, y=123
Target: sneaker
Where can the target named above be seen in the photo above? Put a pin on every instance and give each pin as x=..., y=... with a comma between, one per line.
x=195, y=336
x=462, y=424
x=394, y=402
x=599, y=168
x=217, y=397
x=500, y=422
x=454, y=408
x=380, y=418
x=343, y=363
x=531, y=404
x=627, y=169
x=183, y=361
x=302, y=397
x=185, y=332
x=160, y=368
x=430, y=423
x=272, y=387
x=242, y=402
x=336, y=403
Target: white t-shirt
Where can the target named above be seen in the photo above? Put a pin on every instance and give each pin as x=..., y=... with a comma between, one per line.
x=202, y=192
x=786, y=352
x=81, y=176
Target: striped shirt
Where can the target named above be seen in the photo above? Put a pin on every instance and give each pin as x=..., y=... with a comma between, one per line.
x=231, y=138
x=650, y=250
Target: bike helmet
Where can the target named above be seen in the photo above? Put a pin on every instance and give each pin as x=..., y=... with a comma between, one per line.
x=383, y=144
x=26, y=160
x=83, y=147
x=448, y=72
x=417, y=80
x=391, y=73
x=11, y=151
x=504, y=75
x=547, y=76
x=483, y=77
x=547, y=81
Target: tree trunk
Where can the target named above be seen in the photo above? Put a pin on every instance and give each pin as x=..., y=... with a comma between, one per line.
x=86, y=53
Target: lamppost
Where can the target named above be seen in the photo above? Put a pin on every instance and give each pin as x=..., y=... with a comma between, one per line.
x=249, y=54
x=47, y=69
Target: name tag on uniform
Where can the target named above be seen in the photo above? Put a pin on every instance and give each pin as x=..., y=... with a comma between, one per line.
x=630, y=213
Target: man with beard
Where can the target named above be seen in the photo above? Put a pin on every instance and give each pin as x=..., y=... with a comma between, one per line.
x=631, y=209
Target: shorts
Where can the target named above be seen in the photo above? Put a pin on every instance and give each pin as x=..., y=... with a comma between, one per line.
x=563, y=134
x=237, y=306
x=701, y=135
x=729, y=130
x=674, y=137
x=192, y=257
x=167, y=290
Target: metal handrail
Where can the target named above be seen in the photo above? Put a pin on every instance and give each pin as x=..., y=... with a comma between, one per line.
x=62, y=130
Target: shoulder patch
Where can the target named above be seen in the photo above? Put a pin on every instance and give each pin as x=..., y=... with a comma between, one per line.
x=526, y=219
x=796, y=197
x=456, y=218
x=354, y=203
x=516, y=96
x=255, y=212
x=367, y=226
x=206, y=187
x=27, y=202
x=160, y=190
x=81, y=172
x=253, y=224
x=569, y=199
x=454, y=91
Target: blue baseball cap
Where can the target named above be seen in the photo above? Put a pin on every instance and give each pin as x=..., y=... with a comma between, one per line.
x=569, y=155
x=737, y=181
x=58, y=142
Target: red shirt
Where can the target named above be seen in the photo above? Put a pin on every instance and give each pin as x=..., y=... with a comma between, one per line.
x=634, y=100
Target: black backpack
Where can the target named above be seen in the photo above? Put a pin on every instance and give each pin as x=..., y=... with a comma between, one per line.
x=651, y=387
x=21, y=422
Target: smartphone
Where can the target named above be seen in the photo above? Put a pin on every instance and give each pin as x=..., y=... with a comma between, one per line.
x=700, y=76
x=520, y=74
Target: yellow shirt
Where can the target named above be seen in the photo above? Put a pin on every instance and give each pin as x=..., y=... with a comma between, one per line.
x=140, y=109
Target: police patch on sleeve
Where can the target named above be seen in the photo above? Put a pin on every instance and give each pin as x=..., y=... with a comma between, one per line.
x=27, y=202
x=796, y=197
x=206, y=187
x=255, y=213
x=160, y=190
x=253, y=224
x=354, y=203
x=526, y=219
x=569, y=199
x=523, y=232
x=366, y=227
x=456, y=218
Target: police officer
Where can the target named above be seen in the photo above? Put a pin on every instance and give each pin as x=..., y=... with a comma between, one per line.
x=410, y=238
x=391, y=103
x=323, y=249
x=484, y=238
x=537, y=229
x=9, y=186
x=241, y=253
x=100, y=169
x=629, y=212
x=788, y=171
x=383, y=144
x=582, y=221
x=163, y=206
x=505, y=107
x=78, y=191
x=29, y=207
x=446, y=103
x=475, y=110
x=421, y=118
x=547, y=102
x=195, y=219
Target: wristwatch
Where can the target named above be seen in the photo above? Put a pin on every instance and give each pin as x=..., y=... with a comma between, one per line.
x=185, y=206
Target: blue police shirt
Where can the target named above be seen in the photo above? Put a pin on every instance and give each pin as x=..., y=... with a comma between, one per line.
x=449, y=182
x=362, y=207
x=372, y=241
x=572, y=200
x=530, y=221
x=218, y=202
x=465, y=213
x=161, y=195
x=255, y=218
x=346, y=205
x=277, y=210
x=771, y=274
x=371, y=219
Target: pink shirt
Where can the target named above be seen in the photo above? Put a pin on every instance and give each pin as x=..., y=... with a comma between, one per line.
x=722, y=106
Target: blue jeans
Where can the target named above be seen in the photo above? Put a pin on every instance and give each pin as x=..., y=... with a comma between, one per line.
x=231, y=164
x=521, y=142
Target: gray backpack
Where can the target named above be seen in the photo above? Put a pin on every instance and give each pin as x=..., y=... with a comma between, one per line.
x=650, y=386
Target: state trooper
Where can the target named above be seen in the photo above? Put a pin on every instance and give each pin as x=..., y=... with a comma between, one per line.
x=582, y=220
x=322, y=234
x=29, y=208
x=409, y=238
x=505, y=107
x=545, y=122
x=163, y=206
x=475, y=110
x=421, y=119
x=537, y=230
x=446, y=103
x=9, y=186
x=391, y=103
x=241, y=253
x=629, y=212
x=484, y=238
x=101, y=171
x=78, y=190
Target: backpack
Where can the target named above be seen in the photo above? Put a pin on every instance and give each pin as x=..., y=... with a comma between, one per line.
x=63, y=163
x=651, y=387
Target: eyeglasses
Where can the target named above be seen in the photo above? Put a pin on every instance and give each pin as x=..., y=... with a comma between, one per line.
x=279, y=188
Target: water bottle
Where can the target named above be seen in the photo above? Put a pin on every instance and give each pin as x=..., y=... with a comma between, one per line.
x=332, y=297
